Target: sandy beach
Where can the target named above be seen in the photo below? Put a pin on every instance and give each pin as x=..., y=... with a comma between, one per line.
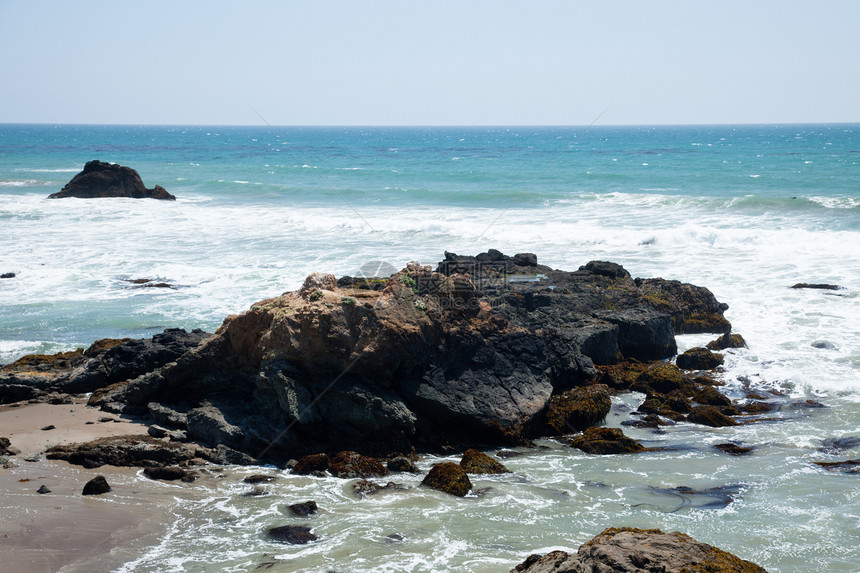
x=63, y=530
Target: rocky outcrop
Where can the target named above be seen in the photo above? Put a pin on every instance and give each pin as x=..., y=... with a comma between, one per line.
x=603, y=441
x=104, y=363
x=469, y=353
x=100, y=179
x=96, y=486
x=134, y=451
x=631, y=550
x=699, y=359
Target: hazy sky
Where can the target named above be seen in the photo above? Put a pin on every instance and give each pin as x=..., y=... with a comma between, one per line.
x=430, y=63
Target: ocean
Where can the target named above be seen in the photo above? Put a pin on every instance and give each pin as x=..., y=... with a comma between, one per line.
x=746, y=211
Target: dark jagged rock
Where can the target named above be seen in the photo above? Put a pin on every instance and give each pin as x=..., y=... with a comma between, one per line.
x=7, y=276
x=355, y=465
x=577, y=409
x=632, y=550
x=304, y=509
x=43, y=489
x=448, y=477
x=136, y=451
x=699, y=359
x=469, y=353
x=817, y=286
x=96, y=486
x=104, y=363
x=475, y=462
x=100, y=179
x=604, y=441
x=294, y=534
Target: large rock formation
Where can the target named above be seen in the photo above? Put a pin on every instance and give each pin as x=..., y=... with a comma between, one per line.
x=100, y=179
x=630, y=550
x=468, y=353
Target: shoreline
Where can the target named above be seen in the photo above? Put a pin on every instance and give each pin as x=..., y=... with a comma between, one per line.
x=63, y=530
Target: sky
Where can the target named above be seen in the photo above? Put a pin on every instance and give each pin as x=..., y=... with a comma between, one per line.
x=430, y=63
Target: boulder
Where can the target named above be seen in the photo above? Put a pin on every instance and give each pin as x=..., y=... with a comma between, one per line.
x=728, y=340
x=169, y=473
x=365, y=487
x=632, y=550
x=475, y=462
x=448, y=477
x=312, y=463
x=710, y=396
x=100, y=179
x=603, y=441
x=402, y=464
x=96, y=486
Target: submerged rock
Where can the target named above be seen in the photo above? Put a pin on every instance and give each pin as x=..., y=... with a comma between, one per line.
x=304, y=509
x=100, y=179
x=632, y=550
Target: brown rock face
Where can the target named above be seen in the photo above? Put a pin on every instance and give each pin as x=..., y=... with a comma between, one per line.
x=100, y=179
x=354, y=465
x=448, y=477
x=631, y=550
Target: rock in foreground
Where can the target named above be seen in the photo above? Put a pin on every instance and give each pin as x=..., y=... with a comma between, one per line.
x=469, y=353
x=631, y=550
x=100, y=179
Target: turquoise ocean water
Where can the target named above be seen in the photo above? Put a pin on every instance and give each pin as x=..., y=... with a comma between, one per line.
x=744, y=210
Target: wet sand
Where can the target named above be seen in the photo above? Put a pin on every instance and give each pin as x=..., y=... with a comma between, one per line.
x=63, y=530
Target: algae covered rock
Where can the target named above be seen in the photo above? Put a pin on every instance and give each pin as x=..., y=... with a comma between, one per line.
x=603, y=441
x=699, y=359
x=448, y=477
x=632, y=550
x=577, y=409
x=709, y=416
x=475, y=462
x=355, y=465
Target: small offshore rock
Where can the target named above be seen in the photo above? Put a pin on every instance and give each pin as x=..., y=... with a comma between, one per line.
x=294, y=534
x=699, y=359
x=605, y=441
x=96, y=486
x=7, y=276
x=449, y=478
x=476, y=462
x=304, y=509
x=43, y=489
x=50, y=427
x=102, y=179
x=848, y=466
